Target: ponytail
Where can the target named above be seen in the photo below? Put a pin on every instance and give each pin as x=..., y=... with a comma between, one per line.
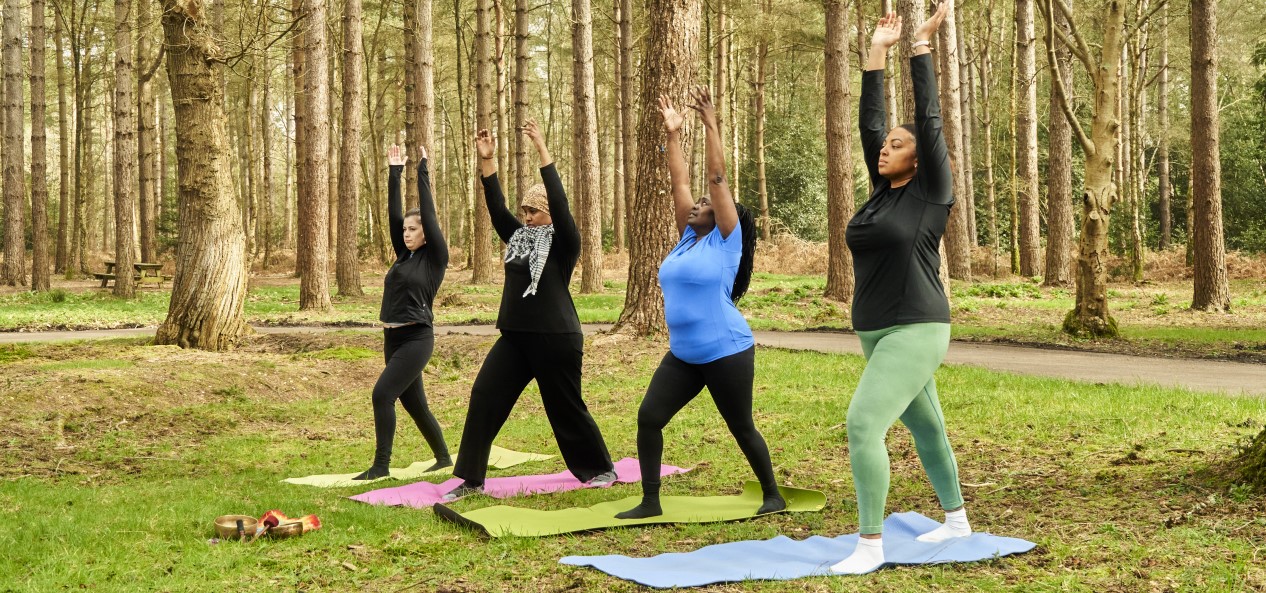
x=747, y=226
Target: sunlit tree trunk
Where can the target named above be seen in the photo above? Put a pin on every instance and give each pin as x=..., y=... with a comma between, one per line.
x=1059, y=176
x=669, y=61
x=839, y=153
x=314, y=149
x=39, y=154
x=209, y=287
x=13, y=159
x=480, y=245
x=347, y=270
x=1210, y=289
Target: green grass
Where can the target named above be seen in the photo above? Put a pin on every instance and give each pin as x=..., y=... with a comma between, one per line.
x=1121, y=488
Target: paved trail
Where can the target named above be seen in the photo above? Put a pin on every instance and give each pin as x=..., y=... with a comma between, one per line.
x=1201, y=375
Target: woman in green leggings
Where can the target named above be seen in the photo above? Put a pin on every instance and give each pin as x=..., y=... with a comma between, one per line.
x=899, y=307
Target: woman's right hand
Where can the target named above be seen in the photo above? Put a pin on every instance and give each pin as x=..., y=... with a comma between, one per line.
x=673, y=121
x=395, y=156
x=485, y=144
x=887, y=31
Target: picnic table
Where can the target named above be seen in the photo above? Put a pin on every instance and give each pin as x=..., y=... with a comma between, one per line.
x=142, y=272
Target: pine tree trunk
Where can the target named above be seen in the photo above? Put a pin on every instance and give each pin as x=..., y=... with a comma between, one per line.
x=63, y=151
x=348, y=267
x=412, y=82
x=957, y=232
x=668, y=67
x=617, y=125
x=585, y=143
x=968, y=110
x=1059, y=173
x=265, y=232
x=331, y=148
x=39, y=154
x=145, y=130
x=1164, y=186
x=1030, y=239
x=13, y=158
x=628, y=120
x=758, y=92
x=1210, y=289
x=209, y=288
x=297, y=237
x=523, y=170
x=502, y=90
x=481, y=240
x=912, y=12
x=425, y=56
x=839, y=157
x=314, y=201
x=124, y=148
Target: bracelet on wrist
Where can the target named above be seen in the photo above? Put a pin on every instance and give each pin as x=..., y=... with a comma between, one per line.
x=916, y=44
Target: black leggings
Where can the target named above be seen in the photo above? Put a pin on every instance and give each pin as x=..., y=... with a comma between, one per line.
x=406, y=350
x=674, y=384
x=554, y=360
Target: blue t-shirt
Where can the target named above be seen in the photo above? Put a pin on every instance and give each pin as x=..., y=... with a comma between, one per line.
x=697, y=277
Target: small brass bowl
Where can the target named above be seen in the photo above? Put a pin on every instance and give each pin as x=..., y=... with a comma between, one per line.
x=292, y=529
x=226, y=525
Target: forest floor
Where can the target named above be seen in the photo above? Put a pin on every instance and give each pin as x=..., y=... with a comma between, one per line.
x=115, y=455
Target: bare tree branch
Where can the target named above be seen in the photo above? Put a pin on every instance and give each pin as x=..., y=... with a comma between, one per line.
x=1079, y=47
x=1057, y=79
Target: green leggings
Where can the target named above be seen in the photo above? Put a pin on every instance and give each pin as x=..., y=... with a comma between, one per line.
x=897, y=384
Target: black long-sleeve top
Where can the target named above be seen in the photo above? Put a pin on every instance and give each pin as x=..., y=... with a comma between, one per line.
x=410, y=285
x=550, y=310
x=896, y=235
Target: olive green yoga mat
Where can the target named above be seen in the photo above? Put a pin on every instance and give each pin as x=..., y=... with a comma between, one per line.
x=502, y=520
x=499, y=458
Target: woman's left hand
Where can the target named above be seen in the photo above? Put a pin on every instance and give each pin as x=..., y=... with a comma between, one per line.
x=929, y=27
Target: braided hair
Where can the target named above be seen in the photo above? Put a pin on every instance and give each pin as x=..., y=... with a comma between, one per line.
x=747, y=226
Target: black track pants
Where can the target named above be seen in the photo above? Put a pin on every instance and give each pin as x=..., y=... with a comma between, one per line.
x=406, y=350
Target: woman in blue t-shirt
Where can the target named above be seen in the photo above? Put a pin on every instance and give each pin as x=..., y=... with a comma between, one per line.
x=709, y=342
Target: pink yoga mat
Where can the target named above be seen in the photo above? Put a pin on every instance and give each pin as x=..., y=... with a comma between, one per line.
x=424, y=494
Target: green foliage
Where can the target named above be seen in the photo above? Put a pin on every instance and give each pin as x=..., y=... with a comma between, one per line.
x=1252, y=462
x=342, y=353
x=795, y=175
x=14, y=353
x=1003, y=290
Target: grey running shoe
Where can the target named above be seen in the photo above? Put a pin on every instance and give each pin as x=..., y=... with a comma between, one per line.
x=461, y=491
x=603, y=479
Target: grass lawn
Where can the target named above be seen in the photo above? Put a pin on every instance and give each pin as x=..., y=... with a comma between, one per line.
x=117, y=455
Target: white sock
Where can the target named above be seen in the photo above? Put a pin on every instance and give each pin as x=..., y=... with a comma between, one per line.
x=955, y=525
x=868, y=556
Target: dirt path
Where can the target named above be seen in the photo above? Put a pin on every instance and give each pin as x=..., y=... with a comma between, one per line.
x=1201, y=375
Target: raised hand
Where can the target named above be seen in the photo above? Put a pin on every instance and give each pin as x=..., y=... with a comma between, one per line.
x=485, y=144
x=397, y=157
x=422, y=152
x=533, y=131
x=887, y=31
x=929, y=27
x=701, y=101
x=673, y=121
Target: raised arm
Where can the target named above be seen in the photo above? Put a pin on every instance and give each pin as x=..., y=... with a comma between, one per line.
x=566, y=235
x=873, y=119
x=503, y=220
x=934, y=167
x=437, y=247
x=395, y=207
x=723, y=207
x=678, y=172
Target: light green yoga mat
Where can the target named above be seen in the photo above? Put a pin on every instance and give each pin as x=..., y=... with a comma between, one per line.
x=499, y=458
x=502, y=521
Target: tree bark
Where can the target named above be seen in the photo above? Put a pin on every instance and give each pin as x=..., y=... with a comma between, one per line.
x=1210, y=288
x=481, y=240
x=265, y=232
x=991, y=185
x=628, y=119
x=1059, y=172
x=425, y=57
x=209, y=288
x=39, y=154
x=968, y=110
x=617, y=165
x=839, y=157
x=314, y=201
x=145, y=131
x=668, y=67
x=63, y=150
x=13, y=158
x=297, y=236
x=758, y=92
x=347, y=270
x=1164, y=186
x=1030, y=239
x=957, y=232
x=412, y=84
x=585, y=143
x=331, y=118
x=124, y=148
x=523, y=169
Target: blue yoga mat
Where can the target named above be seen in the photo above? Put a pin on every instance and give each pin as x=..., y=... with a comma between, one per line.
x=783, y=558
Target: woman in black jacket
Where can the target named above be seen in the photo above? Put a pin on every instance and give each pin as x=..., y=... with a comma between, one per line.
x=540, y=331
x=408, y=336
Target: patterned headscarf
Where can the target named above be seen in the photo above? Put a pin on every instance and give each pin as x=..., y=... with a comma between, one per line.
x=534, y=242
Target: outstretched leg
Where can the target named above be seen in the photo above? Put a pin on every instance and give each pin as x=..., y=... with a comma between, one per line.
x=497, y=387
x=729, y=380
